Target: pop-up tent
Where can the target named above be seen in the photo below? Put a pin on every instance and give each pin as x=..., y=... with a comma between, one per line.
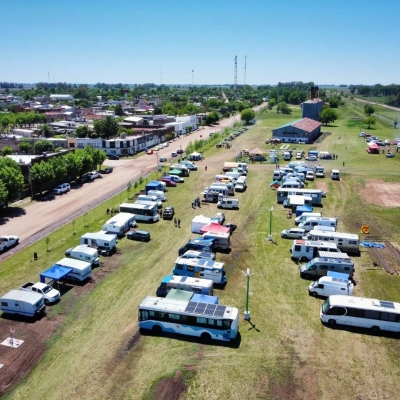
x=154, y=185
x=257, y=151
x=275, y=184
x=214, y=227
x=56, y=273
x=301, y=209
x=198, y=222
x=195, y=157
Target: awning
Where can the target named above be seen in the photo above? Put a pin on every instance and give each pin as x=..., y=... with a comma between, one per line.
x=56, y=273
x=214, y=227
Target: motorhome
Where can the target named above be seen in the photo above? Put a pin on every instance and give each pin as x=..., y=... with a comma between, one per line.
x=334, y=283
x=195, y=285
x=119, y=224
x=159, y=194
x=222, y=241
x=80, y=270
x=104, y=242
x=211, y=194
x=310, y=222
x=228, y=204
x=324, y=228
x=84, y=253
x=305, y=250
x=146, y=197
x=315, y=194
x=291, y=183
x=224, y=178
x=348, y=242
x=301, y=218
x=242, y=179
x=228, y=166
x=21, y=302
x=320, y=267
x=235, y=175
x=287, y=156
x=229, y=187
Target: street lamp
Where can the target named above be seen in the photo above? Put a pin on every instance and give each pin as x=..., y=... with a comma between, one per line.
x=270, y=223
x=247, y=312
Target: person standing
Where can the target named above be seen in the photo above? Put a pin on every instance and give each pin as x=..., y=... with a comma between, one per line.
x=179, y=223
x=175, y=222
x=343, y=163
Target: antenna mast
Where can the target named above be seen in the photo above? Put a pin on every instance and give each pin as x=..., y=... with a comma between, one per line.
x=235, y=77
x=192, y=77
x=245, y=66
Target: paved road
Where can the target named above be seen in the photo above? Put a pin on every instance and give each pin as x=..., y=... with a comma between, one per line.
x=38, y=219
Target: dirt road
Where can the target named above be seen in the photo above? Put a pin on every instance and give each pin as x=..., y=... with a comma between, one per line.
x=38, y=219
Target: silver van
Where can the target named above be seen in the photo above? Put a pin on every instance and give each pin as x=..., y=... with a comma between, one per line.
x=320, y=266
x=309, y=223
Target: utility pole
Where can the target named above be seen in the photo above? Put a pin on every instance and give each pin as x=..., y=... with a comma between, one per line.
x=247, y=312
x=192, y=77
x=235, y=75
x=245, y=66
x=270, y=223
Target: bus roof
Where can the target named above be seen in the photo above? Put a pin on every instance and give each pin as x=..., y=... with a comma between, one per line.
x=189, y=280
x=364, y=303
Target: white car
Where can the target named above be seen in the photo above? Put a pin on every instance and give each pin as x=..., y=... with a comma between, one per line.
x=93, y=175
x=6, y=242
x=311, y=158
x=176, y=178
x=310, y=175
x=293, y=233
x=62, y=188
x=299, y=156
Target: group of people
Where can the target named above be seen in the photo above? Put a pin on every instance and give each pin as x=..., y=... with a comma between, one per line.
x=196, y=203
x=177, y=222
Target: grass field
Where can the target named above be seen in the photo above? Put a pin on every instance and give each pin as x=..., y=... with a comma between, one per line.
x=97, y=354
x=393, y=115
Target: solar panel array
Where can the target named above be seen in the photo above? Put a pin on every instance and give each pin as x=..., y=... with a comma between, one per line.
x=195, y=307
x=386, y=304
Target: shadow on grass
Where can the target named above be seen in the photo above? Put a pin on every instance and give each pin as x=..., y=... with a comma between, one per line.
x=233, y=344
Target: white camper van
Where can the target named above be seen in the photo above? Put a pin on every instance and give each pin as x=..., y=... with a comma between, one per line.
x=23, y=302
x=320, y=266
x=301, y=218
x=348, y=242
x=146, y=197
x=157, y=193
x=227, y=203
x=119, y=224
x=305, y=250
x=310, y=222
x=84, y=253
x=334, y=283
x=81, y=270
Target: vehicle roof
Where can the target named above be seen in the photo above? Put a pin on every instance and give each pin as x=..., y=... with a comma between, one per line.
x=73, y=263
x=22, y=295
x=363, y=302
x=99, y=235
x=201, y=262
x=84, y=248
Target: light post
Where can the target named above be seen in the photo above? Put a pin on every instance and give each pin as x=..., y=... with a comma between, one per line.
x=270, y=223
x=247, y=312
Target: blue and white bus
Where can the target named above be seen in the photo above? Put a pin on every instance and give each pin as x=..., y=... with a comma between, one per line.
x=144, y=210
x=200, y=268
x=315, y=194
x=204, y=320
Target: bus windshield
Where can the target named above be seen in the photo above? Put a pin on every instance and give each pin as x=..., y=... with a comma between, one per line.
x=325, y=306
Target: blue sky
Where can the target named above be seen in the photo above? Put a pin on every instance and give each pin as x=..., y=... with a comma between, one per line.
x=128, y=41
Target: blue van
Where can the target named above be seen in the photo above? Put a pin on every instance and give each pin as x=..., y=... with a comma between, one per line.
x=198, y=245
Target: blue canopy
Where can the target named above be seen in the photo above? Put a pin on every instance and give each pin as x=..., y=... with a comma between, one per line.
x=301, y=209
x=56, y=273
x=202, y=298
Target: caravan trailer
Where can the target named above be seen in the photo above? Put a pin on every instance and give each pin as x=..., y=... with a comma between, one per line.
x=305, y=250
x=106, y=243
x=348, y=242
x=23, y=302
x=81, y=270
x=119, y=224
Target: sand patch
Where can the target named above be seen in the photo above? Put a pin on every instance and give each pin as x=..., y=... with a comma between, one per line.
x=381, y=193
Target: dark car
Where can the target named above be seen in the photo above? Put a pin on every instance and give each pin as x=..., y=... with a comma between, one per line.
x=232, y=227
x=107, y=170
x=163, y=159
x=218, y=145
x=258, y=157
x=173, y=154
x=141, y=236
x=180, y=151
x=168, y=182
x=113, y=157
x=168, y=212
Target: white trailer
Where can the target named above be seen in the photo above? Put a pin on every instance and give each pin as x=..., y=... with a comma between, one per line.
x=23, y=302
x=81, y=270
x=84, y=253
x=106, y=243
x=348, y=242
x=119, y=224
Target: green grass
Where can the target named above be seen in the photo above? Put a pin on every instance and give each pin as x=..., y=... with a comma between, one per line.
x=289, y=354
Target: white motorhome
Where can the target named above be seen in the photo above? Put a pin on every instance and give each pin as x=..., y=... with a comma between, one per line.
x=23, y=302
x=291, y=183
x=242, y=179
x=320, y=266
x=310, y=222
x=301, y=218
x=324, y=228
x=213, y=193
x=158, y=194
x=146, y=197
x=229, y=187
x=222, y=241
x=305, y=250
x=190, y=284
x=119, y=224
x=106, y=243
x=228, y=204
x=84, y=253
x=334, y=283
x=287, y=156
x=81, y=270
x=348, y=242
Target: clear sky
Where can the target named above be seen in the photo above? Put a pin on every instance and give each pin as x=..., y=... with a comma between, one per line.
x=158, y=41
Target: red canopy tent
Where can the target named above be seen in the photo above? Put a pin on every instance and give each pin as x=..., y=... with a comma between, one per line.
x=214, y=227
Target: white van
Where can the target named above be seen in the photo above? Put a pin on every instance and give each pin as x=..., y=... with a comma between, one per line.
x=242, y=179
x=334, y=283
x=287, y=156
x=321, y=266
x=277, y=176
x=335, y=175
x=228, y=204
x=81, y=270
x=235, y=175
x=157, y=193
x=292, y=184
x=310, y=222
x=305, y=250
x=146, y=197
x=301, y=218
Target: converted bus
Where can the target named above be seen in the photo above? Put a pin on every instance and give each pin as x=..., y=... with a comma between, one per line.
x=144, y=211
x=315, y=194
x=204, y=320
x=195, y=285
x=200, y=268
x=361, y=312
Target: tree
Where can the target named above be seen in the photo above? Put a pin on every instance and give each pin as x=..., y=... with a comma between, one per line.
x=99, y=156
x=110, y=127
x=368, y=109
x=119, y=110
x=169, y=109
x=12, y=178
x=73, y=163
x=42, y=146
x=369, y=121
x=46, y=130
x=271, y=103
x=7, y=150
x=212, y=117
x=283, y=108
x=25, y=146
x=328, y=115
x=247, y=115
x=83, y=131
x=59, y=169
x=3, y=192
x=42, y=176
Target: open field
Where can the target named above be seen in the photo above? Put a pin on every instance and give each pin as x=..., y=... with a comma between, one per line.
x=380, y=110
x=96, y=352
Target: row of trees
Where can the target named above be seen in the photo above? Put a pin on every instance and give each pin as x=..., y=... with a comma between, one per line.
x=47, y=174
x=9, y=121
x=11, y=181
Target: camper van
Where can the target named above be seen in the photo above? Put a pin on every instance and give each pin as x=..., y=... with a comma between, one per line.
x=335, y=175
x=222, y=241
x=229, y=187
x=234, y=175
x=84, y=253
x=213, y=193
x=301, y=218
x=23, y=302
x=195, y=285
x=310, y=222
x=189, y=165
x=226, y=203
x=291, y=183
x=119, y=224
x=224, y=179
x=160, y=195
x=81, y=270
x=334, y=283
x=228, y=166
x=146, y=197
x=305, y=250
x=287, y=156
x=348, y=242
x=106, y=243
x=320, y=267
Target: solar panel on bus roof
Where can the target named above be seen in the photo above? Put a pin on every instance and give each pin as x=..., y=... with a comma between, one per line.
x=386, y=304
x=190, y=307
x=205, y=309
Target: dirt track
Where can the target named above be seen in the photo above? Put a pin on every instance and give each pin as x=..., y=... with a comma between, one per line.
x=41, y=218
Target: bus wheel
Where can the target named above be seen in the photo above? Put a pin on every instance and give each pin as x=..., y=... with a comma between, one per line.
x=332, y=322
x=157, y=329
x=375, y=329
x=206, y=337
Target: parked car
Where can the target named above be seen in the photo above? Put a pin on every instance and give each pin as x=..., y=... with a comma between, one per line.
x=173, y=154
x=168, y=212
x=62, y=188
x=179, y=151
x=163, y=159
x=168, y=182
x=218, y=145
x=311, y=158
x=141, y=236
x=299, y=156
x=176, y=178
x=150, y=151
x=293, y=233
x=93, y=175
x=310, y=175
x=107, y=170
x=7, y=242
x=113, y=157
x=240, y=187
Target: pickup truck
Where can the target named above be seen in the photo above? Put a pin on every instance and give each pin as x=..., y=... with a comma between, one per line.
x=50, y=295
x=6, y=242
